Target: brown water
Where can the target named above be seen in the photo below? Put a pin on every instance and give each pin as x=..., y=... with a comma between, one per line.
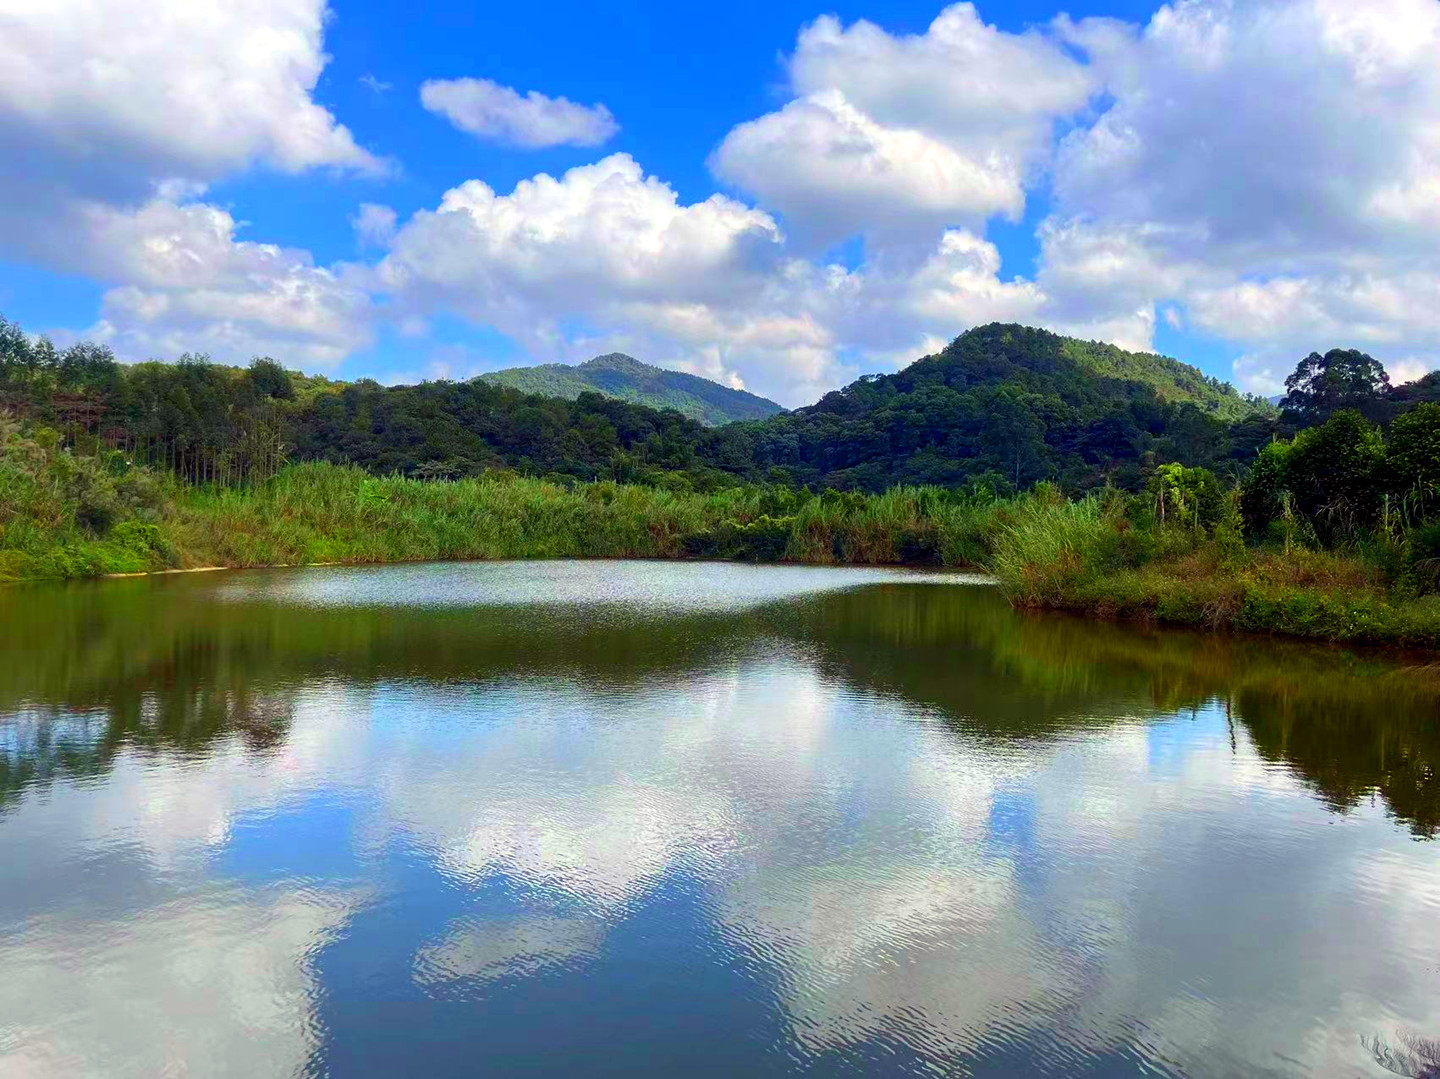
x=578, y=819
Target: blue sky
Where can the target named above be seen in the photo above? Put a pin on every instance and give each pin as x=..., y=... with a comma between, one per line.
x=779, y=195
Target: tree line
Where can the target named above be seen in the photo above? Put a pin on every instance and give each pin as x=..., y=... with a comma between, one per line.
x=999, y=409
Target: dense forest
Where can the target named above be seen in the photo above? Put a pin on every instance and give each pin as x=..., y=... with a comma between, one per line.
x=626, y=378
x=1002, y=407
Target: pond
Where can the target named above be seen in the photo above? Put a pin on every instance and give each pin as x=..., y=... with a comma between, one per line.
x=642, y=818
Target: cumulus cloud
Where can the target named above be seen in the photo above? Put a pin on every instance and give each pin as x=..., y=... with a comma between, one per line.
x=890, y=134
x=1263, y=171
x=1274, y=164
x=114, y=124
x=604, y=243
x=489, y=110
x=606, y=257
x=190, y=286
x=827, y=166
x=104, y=102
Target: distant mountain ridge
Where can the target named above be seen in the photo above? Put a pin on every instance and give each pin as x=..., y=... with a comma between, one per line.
x=626, y=378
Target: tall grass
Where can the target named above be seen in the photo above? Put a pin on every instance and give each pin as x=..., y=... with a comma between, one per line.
x=68, y=516
x=1088, y=556
x=331, y=513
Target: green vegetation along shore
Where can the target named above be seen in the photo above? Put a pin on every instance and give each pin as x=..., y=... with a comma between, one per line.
x=1259, y=557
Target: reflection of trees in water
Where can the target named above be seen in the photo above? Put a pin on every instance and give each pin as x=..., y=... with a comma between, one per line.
x=183, y=699
x=1347, y=760
x=1350, y=725
x=44, y=746
x=170, y=668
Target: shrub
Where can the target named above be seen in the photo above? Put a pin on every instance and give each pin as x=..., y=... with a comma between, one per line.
x=1334, y=472
x=1262, y=496
x=1413, y=456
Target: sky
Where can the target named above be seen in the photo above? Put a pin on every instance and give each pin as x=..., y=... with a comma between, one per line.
x=780, y=196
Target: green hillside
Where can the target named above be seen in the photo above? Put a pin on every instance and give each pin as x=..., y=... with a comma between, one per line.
x=1016, y=404
x=1172, y=381
x=623, y=377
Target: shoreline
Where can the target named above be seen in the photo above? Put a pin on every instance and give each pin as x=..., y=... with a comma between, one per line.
x=1141, y=616
x=917, y=567
x=1101, y=557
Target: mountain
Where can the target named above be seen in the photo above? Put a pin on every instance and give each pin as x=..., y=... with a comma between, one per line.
x=624, y=377
x=1011, y=405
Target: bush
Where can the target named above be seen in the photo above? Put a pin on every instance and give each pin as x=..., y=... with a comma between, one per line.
x=1264, y=492
x=1335, y=474
x=1413, y=456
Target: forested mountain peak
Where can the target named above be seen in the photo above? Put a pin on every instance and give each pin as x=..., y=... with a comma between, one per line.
x=618, y=361
x=1032, y=359
x=1013, y=404
x=620, y=376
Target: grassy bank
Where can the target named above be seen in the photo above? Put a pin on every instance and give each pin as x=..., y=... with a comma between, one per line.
x=64, y=516
x=1089, y=556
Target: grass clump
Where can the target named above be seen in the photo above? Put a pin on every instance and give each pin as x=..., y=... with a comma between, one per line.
x=334, y=513
x=67, y=515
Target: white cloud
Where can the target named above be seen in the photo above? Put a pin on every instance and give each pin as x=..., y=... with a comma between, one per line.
x=606, y=257
x=104, y=98
x=374, y=224
x=191, y=286
x=115, y=119
x=827, y=166
x=488, y=110
x=1274, y=165
x=892, y=135
x=1270, y=168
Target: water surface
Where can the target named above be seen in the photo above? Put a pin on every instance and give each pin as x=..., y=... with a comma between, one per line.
x=607, y=818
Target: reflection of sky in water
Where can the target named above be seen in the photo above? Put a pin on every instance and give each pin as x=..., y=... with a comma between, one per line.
x=678, y=586
x=754, y=869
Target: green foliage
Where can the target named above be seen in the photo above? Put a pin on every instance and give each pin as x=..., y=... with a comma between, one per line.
x=1264, y=495
x=1413, y=457
x=1088, y=556
x=1013, y=405
x=271, y=380
x=1001, y=407
x=63, y=515
x=1187, y=497
x=1330, y=482
x=1342, y=379
x=323, y=513
x=1335, y=473
x=627, y=379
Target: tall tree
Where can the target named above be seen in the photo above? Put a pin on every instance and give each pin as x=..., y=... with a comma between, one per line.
x=1342, y=378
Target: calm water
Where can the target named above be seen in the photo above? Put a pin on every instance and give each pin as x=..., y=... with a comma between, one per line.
x=581, y=819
